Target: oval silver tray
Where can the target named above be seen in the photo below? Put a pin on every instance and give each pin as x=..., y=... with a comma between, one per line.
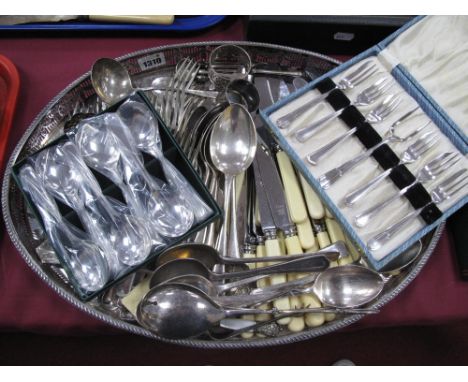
x=80, y=97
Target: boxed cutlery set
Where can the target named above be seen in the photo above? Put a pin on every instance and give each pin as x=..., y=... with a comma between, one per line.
x=383, y=137
x=113, y=193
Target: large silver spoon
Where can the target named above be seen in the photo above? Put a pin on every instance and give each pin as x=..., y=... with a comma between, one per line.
x=233, y=144
x=181, y=311
x=112, y=82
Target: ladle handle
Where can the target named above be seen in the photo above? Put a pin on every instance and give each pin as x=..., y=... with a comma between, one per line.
x=314, y=264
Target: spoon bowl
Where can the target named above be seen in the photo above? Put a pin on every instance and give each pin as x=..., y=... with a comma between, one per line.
x=178, y=311
x=110, y=80
x=348, y=286
x=243, y=92
x=404, y=260
x=233, y=140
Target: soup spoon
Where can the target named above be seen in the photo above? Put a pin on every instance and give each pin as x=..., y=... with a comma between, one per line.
x=181, y=311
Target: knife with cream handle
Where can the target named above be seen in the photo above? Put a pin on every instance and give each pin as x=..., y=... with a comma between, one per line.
x=272, y=245
x=248, y=254
x=314, y=204
x=324, y=241
x=306, y=236
x=292, y=190
x=298, y=323
x=281, y=217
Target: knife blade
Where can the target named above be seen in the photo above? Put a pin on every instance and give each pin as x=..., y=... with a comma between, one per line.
x=274, y=191
x=266, y=217
x=269, y=228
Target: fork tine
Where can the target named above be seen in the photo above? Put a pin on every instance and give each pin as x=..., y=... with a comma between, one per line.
x=454, y=188
x=391, y=106
x=377, y=88
x=452, y=179
x=443, y=161
x=363, y=75
x=424, y=140
x=361, y=68
x=426, y=145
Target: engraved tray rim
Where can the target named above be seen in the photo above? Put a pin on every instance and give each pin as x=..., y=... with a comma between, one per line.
x=35, y=265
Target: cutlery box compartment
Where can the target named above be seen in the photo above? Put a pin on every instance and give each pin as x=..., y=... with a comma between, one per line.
x=424, y=62
x=170, y=150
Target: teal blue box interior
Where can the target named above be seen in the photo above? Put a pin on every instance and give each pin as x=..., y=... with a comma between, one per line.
x=438, y=116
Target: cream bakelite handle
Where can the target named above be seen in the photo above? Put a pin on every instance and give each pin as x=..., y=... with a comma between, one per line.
x=314, y=204
x=262, y=283
x=134, y=19
x=293, y=245
x=306, y=236
x=292, y=190
x=336, y=234
x=131, y=300
x=352, y=250
x=249, y=334
x=272, y=248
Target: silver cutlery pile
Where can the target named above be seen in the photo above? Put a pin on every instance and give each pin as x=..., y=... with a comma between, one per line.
x=278, y=262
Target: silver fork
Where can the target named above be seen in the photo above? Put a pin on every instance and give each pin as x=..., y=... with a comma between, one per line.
x=362, y=73
x=412, y=153
x=182, y=72
x=443, y=191
x=376, y=115
x=429, y=172
x=331, y=176
x=184, y=81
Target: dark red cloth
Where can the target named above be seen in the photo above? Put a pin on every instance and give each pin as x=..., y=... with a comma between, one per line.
x=46, y=66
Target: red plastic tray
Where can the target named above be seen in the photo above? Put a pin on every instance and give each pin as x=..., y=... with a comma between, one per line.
x=9, y=89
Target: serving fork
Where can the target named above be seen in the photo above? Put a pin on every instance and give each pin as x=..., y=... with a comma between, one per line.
x=362, y=73
x=429, y=172
x=443, y=191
